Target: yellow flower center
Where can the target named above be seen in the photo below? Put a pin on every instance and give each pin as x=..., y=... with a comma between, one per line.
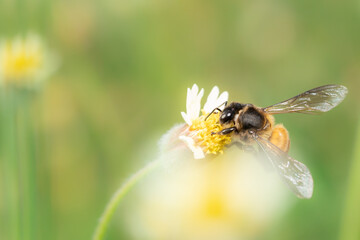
x=211, y=143
x=20, y=62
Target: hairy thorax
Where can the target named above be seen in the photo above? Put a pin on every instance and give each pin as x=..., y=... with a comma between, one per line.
x=252, y=119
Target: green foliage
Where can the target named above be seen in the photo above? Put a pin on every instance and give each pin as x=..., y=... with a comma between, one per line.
x=125, y=67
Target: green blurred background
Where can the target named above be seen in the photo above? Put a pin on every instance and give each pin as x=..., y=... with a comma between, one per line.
x=121, y=84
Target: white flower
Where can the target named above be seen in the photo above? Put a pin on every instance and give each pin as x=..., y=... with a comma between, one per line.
x=231, y=198
x=193, y=102
x=25, y=61
x=196, y=134
x=199, y=146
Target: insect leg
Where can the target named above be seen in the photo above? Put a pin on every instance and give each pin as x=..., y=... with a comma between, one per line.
x=218, y=108
x=213, y=112
x=226, y=131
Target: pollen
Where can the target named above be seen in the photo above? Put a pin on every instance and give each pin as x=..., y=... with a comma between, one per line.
x=211, y=143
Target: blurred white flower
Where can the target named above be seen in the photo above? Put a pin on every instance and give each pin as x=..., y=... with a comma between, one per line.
x=196, y=134
x=25, y=61
x=230, y=197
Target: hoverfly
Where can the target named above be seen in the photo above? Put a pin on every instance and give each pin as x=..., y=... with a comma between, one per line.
x=251, y=124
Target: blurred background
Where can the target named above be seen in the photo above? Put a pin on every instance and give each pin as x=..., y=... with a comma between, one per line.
x=124, y=67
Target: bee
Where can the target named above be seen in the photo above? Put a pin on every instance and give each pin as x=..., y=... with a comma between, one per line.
x=250, y=124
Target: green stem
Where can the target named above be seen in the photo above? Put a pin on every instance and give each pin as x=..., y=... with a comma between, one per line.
x=11, y=164
x=118, y=196
x=351, y=218
x=27, y=158
x=19, y=163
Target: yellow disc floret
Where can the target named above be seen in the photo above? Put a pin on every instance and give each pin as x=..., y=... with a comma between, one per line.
x=211, y=143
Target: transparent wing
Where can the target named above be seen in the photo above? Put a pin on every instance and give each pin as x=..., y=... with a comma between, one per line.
x=295, y=174
x=317, y=100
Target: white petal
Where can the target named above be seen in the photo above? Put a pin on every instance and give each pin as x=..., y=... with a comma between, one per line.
x=211, y=100
x=189, y=99
x=223, y=98
x=33, y=43
x=195, y=89
x=190, y=143
x=186, y=118
x=196, y=107
x=193, y=102
x=214, y=100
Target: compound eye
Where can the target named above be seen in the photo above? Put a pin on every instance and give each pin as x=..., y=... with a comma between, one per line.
x=226, y=117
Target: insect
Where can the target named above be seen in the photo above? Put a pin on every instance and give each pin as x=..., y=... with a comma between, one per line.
x=251, y=124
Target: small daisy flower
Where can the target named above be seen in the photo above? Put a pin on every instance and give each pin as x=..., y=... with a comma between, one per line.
x=196, y=133
x=25, y=61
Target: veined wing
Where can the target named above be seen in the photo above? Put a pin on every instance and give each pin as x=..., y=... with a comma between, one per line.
x=295, y=174
x=317, y=100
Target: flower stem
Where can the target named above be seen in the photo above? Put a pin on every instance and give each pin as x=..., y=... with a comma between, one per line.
x=11, y=165
x=118, y=196
x=351, y=217
x=19, y=163
x=26, y=145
